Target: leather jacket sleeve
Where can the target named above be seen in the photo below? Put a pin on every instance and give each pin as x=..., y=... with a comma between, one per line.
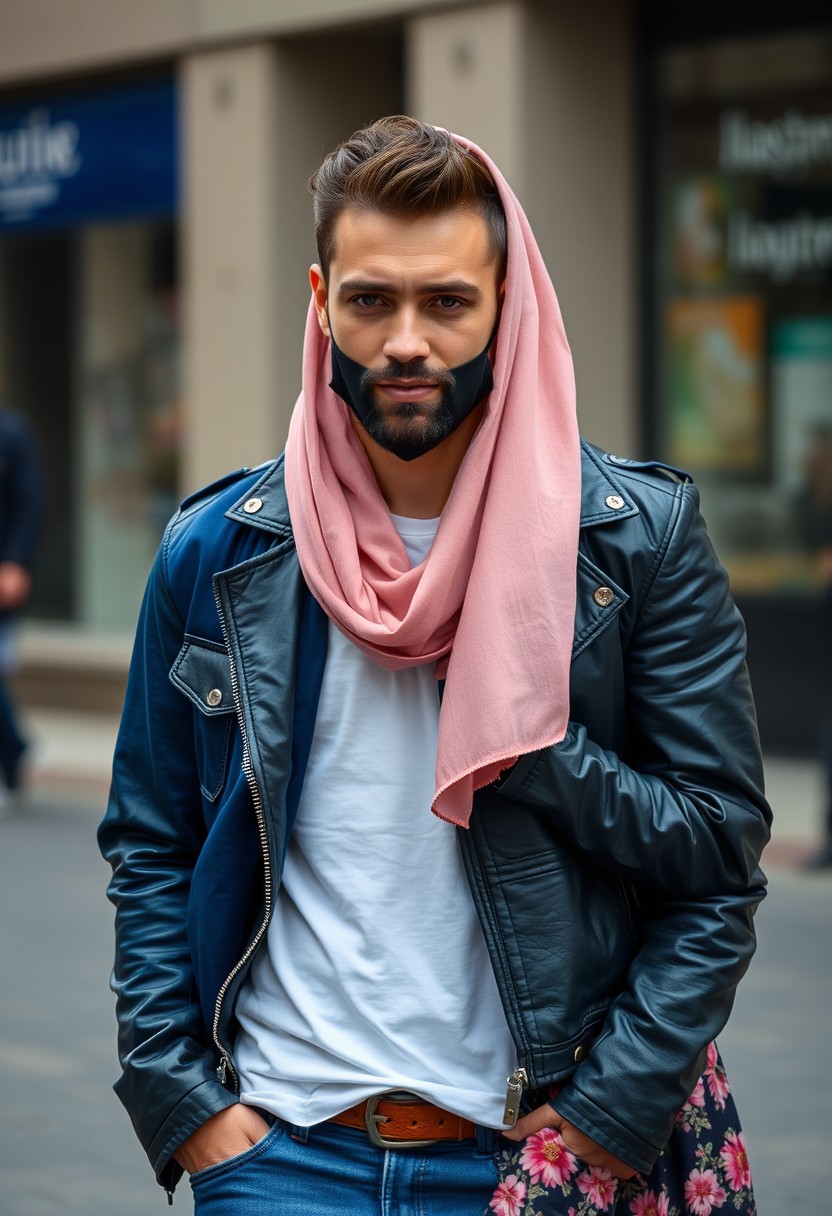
x=682, y=817
x=152, y=835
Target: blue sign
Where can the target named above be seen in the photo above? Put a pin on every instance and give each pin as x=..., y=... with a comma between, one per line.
x=82, y=157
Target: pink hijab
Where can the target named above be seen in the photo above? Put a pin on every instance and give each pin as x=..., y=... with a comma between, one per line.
x=496, y=593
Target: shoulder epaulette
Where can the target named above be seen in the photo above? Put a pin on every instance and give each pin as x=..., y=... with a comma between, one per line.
x=221, y=483
x=649, y=466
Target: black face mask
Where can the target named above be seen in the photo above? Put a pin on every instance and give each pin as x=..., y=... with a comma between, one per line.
x=462, y=388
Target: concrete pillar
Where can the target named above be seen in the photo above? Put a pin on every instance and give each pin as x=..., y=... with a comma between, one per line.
x=327, y=87
x=464, y=71
x=256, y=123
x=545, y=87
x=229, y=264
x=580, y=201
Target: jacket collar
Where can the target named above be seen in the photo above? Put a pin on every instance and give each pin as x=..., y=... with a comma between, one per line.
x=603, y=497
x=264, y=505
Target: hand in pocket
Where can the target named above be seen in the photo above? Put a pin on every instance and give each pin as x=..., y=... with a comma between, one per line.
x=576, y=1141
x=227, y=1134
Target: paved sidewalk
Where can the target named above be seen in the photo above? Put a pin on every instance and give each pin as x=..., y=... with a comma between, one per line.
x=70, y=750
x=795, y=790
x=74, y=751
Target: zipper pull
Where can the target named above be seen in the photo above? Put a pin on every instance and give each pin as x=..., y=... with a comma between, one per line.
x=514, y=1089
x=222, y=1068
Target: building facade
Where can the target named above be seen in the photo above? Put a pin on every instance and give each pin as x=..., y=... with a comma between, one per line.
x=155, y=233
x=736, y=316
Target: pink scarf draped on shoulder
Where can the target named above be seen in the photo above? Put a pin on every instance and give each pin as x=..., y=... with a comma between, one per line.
x=497, y=591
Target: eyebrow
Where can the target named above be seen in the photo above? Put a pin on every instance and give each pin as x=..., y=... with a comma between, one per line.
x=445, y=288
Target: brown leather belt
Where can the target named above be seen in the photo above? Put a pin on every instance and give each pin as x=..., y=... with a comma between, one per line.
x=396, y=1119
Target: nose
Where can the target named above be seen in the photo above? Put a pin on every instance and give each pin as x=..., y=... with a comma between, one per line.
x=404, y=341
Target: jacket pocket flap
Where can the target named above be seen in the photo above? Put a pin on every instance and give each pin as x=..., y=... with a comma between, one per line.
x=598, y=603
x=203, y=672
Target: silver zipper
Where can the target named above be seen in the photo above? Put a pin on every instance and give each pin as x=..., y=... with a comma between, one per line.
x=226, y=1063
x=515, y=1085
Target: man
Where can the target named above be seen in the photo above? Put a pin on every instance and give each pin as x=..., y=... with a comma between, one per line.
x=438, y=600
x=20, y=513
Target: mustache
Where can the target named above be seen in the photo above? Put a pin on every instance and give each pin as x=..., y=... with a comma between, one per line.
x=416, y=369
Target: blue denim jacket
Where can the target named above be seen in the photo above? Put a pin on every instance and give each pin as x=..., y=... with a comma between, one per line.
x=615, y=875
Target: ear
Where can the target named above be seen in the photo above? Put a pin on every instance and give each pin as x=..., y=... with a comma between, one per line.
x=319, y=295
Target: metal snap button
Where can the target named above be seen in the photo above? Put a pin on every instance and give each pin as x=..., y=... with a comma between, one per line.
x=604, y=596
x=580, y=1054
x=253, y=506
x=214, y=697
x=614, y=502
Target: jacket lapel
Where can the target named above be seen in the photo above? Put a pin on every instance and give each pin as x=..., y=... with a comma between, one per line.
x=604, y=502
x=274, y=629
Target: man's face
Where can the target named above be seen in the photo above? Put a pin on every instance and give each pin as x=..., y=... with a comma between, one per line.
x=409, y=299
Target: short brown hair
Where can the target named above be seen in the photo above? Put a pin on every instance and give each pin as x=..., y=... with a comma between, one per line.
x=401, y=166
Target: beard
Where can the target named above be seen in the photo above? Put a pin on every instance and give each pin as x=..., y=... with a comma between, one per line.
x=408, y=429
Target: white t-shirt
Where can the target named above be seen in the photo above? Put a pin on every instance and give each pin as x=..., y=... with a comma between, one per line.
x=375, y=973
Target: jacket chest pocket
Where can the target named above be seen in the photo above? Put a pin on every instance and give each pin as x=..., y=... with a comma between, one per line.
x=202, y=671
x=598, y=603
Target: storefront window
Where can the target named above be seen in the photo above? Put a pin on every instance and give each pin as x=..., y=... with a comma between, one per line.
x=127, y=414
x=90, y=353
x=90, y=335
x=744, y=295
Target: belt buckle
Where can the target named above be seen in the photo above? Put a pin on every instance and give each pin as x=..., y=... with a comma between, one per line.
x=372, y=1120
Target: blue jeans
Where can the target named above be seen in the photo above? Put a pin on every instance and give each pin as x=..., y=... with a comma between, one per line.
x=332, y=1169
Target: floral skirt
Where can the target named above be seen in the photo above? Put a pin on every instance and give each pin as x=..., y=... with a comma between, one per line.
x=703, y=1168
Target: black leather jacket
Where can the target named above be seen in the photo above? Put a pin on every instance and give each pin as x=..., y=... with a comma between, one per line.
x=615, y=875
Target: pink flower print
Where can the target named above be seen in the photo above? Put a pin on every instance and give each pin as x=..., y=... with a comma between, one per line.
x=716, y=1078
x=718, y=1085
x=702, y=1193
x=697, y=1098
x=546, y=1156
x=649, y=1204
x=508, y=1197
x=735, y=1159
x=599, y=1185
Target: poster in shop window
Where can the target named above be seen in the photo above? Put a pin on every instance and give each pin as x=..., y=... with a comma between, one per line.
x=715, y=384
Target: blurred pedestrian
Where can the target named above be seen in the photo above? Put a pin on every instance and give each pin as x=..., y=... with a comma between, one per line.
x=330, y=999
x=20, y=514
x=813, y=519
